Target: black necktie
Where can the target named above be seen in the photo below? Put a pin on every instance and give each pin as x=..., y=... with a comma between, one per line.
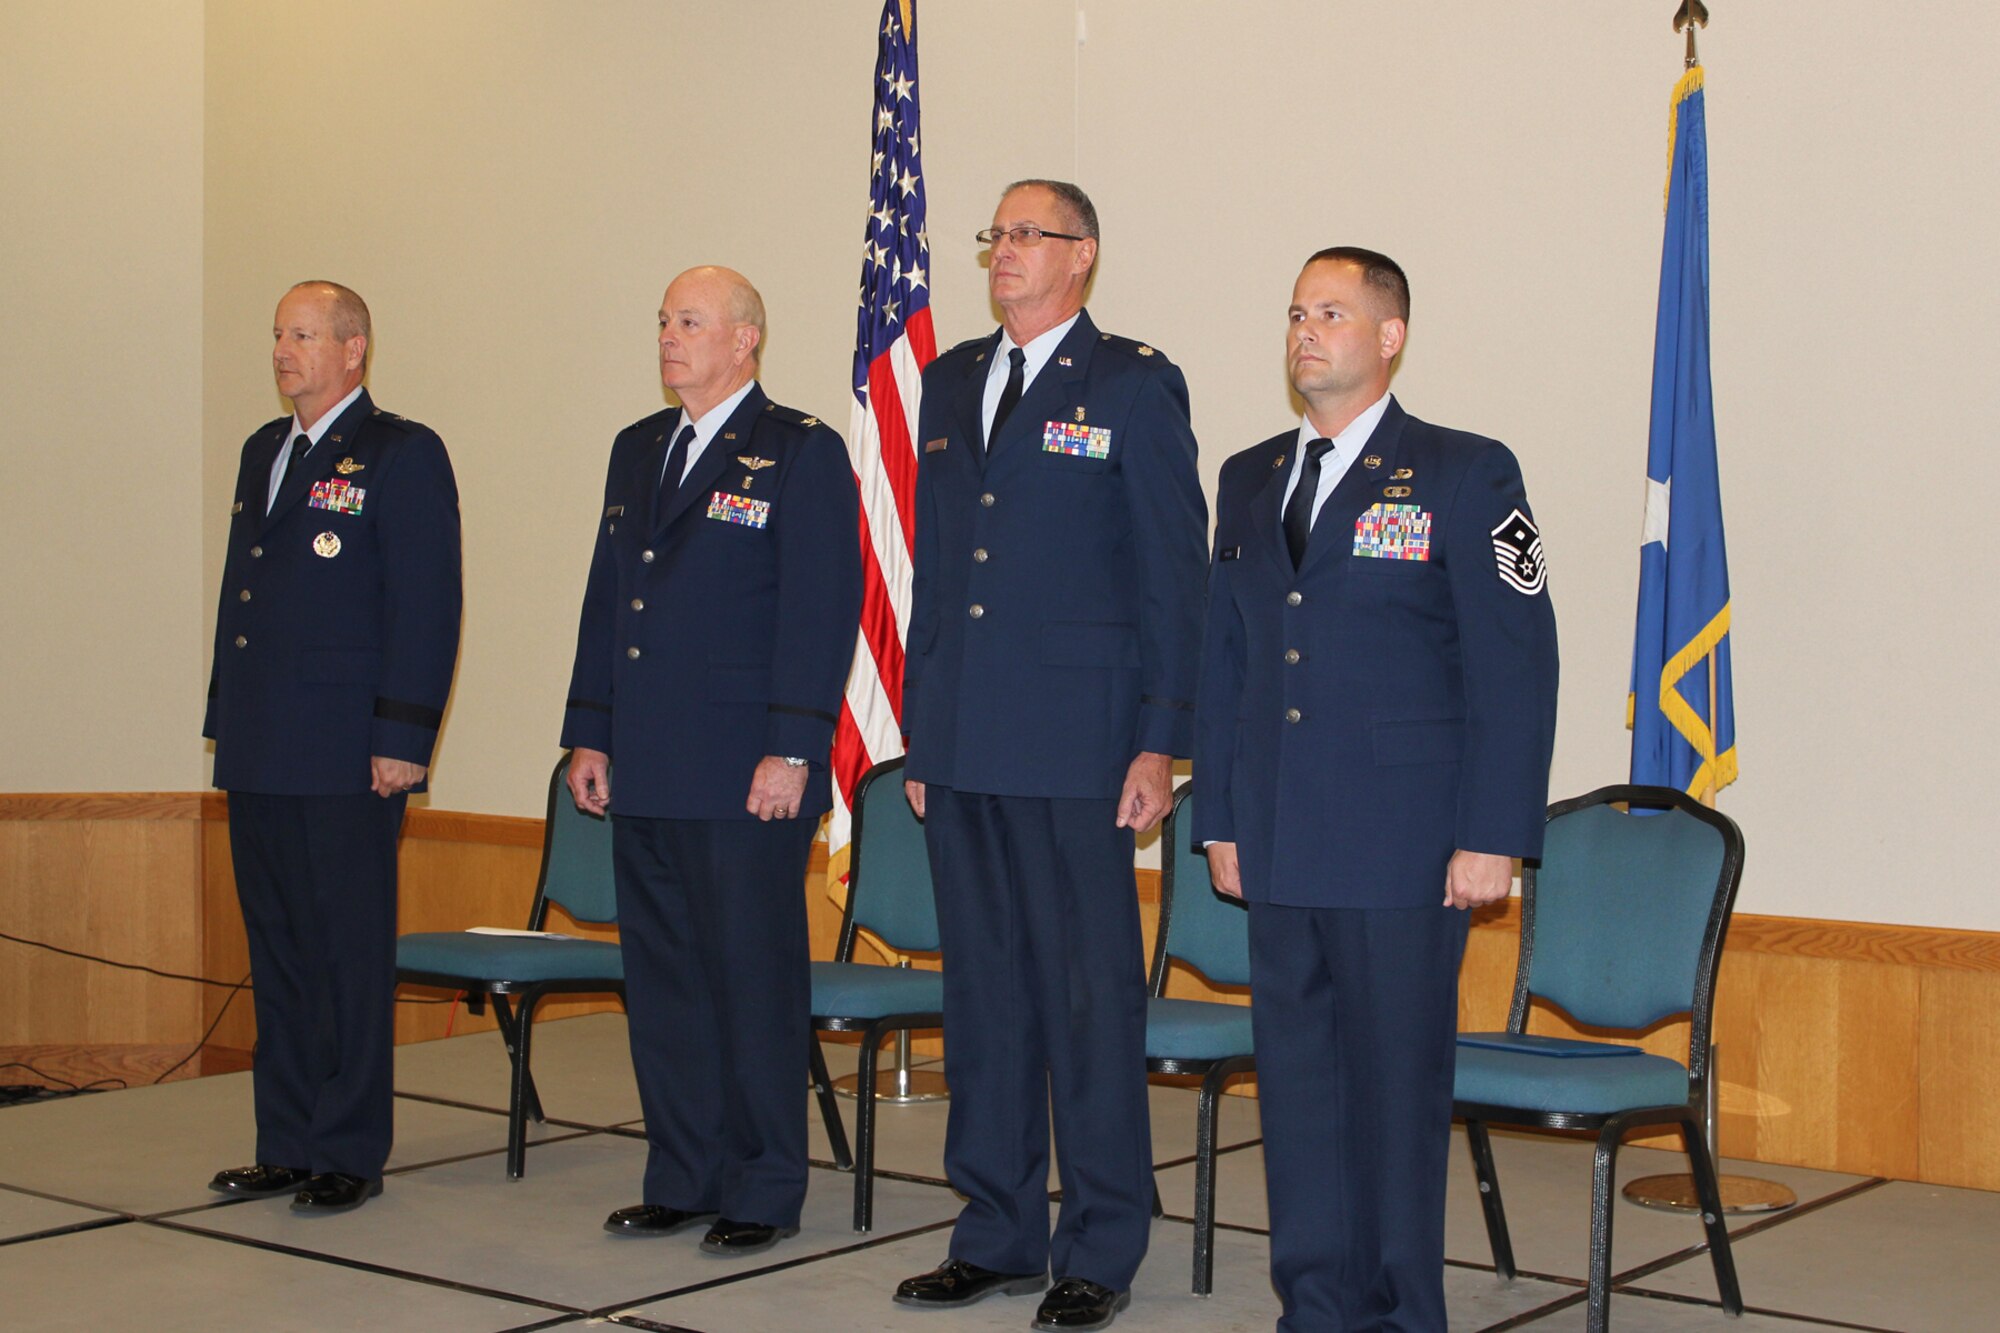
x=1017, y=362
x=301, y=446
x=670, y=475
x=1299, y=509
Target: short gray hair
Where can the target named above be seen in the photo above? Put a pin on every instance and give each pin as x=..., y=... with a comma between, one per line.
x=1082, y=213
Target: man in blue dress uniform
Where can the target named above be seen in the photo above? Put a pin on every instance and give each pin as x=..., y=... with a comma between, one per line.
x=1053, y=645
x=718, y=623
x=334, y=650
x=1376, y=714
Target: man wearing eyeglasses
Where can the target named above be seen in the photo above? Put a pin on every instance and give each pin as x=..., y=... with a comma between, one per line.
x=1049, y=681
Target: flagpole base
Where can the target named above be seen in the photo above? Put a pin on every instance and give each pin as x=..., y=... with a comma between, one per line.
x=1675, y=1193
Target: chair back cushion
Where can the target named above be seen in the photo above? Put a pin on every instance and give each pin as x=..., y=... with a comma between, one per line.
x=576, y=869
x=890, y=879
x=1205, y=930
x=1621, y=908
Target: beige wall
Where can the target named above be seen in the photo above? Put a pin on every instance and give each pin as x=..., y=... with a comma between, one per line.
x=511, y=184
x=102, y=665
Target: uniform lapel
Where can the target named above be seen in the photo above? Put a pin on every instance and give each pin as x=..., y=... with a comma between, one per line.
x=650, y=467
x=1267, y=505
x=1019, y=433
x=318, y=465
x=969, y=408
x=718, y=456
x=1361, y=487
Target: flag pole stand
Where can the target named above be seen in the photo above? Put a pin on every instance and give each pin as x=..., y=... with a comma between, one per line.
x=1675, y=1192
x=899, y=1085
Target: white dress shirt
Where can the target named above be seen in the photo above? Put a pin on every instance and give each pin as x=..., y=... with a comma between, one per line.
x=1034, y=356
x=1333, y=465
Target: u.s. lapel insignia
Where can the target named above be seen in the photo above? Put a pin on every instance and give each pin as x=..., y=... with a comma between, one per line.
x=1277, y=462
x=1079, y=414
x=347, y=467
x=1065, y=363
x=729, y=435
x=334, y=438
x=1401, y=474
x=327, y=544
x=1396, y=492
x=1372, y=462
x=236, y=508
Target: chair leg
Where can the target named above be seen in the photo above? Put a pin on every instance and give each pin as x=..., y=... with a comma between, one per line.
x=1603, y=1176
x=523, y=1092
x=1488, y=1180
x=1707, y=1190
x=1207, y=1108
x=504, y=1015
x=864, y=1129
x=829, y=1109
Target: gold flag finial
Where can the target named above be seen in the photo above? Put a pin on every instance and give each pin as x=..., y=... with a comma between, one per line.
x=1691, y=15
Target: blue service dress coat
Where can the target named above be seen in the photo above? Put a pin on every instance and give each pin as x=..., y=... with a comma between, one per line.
x=1393, y=699
x=1053, y=633
x=338, y=627
x=719, y=629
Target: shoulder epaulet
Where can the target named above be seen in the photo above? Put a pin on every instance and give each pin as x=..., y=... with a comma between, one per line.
x=791, y=416
x=381, y=418
x=1130, y=348
x=967, y=344
x=275, y=424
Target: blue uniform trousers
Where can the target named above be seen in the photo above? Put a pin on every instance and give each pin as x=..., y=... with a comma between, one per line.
x=1044, y=1005
x=1356, y=1020
x=316, y=877
x=718, y=997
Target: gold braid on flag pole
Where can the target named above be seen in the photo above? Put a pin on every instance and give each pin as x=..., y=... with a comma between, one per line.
x=1716, y=771
x=910, y=17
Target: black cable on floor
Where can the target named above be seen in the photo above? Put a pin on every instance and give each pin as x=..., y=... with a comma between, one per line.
x=227, y=1001
x=231, y=986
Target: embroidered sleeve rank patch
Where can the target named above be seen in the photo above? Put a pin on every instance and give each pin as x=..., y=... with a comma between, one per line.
x=1076, y=439
x=1393, y=532
x=342, y=497
x=1517, y=547
x=739, y=509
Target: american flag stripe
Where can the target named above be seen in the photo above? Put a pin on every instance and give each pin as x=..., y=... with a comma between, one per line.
x=894, y=341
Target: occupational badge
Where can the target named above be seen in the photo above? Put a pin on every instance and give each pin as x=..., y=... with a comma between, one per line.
x=755, y=464
x=740, y=509
x=347, y=467
x=1517, y=548
x=338, y=497
x=1079, y=414
x=1401, y=474
x=327, y=544
x=1396, y=492
x=1393, y=532
x=1076, y=440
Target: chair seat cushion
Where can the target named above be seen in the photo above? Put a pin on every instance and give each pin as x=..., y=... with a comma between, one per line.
x=1533, y=1081
x=862, y=990
x=457, y=953
x=1196, y=1030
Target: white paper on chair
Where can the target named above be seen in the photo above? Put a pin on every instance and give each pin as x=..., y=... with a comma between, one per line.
x=526, y=934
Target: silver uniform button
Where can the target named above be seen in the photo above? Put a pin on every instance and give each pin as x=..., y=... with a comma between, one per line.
x=987, y=499
x=976, y=611
x=647, y=556
x=242, y=642
x=1293, y=598
x=638, y=604
x=243, y=596
x=632, y=653
x=256, y=553
x=1292, y=715
x=1291, y=657
x=979, y=555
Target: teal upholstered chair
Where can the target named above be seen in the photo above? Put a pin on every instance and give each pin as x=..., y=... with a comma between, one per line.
x=575, y=875
x=1621, y=927
x=1205, y=1038
x=889, y=896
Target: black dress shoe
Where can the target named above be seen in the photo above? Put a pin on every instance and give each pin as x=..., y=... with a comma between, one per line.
x=1075, y=1303
x=652, y=1219
x=334, y=1192
x=259, y=1181
x=956, y=1282
x=733, y=1238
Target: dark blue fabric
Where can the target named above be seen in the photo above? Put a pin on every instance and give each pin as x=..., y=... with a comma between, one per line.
x=1419, y=714
x=508, y=957
x=863, y=990
x=1045, y=1013
x=1196, y=1030
x=1542, y=1083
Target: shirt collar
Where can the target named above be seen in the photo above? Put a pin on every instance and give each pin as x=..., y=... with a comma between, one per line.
x=1352, y=440
x=325, y=423
x=1036, y=352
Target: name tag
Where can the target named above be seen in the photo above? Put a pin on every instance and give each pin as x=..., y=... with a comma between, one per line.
x=739, y=509
x=613, y=511
x=339, y=497
x=935, y=446
x=1393, y=532
x=1076, y=439
x=1229, y=553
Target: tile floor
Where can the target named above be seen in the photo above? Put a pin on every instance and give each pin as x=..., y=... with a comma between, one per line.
x=105, y=1221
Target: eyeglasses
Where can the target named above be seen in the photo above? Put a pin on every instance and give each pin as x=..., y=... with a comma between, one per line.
x=1023, y=235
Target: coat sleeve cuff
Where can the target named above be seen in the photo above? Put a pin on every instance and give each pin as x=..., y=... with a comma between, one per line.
x=799, y=733
x=1166, y=726
x=587, y=724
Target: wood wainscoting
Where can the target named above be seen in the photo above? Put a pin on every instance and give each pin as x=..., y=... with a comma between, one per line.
x=1845, y=1046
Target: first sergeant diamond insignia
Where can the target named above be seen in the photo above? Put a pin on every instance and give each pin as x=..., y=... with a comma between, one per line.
x=1517, y=547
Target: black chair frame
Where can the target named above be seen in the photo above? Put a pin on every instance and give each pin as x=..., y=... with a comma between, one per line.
x=1612, y=1127
x=1212, y=1073
x=516, y=1017
x=861, y=1161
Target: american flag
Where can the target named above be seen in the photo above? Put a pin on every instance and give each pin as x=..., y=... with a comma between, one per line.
x=892, y=345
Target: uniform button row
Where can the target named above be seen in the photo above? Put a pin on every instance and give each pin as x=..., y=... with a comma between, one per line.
x=976, y=611
x=1293, y=715
x=647, y=556
x=1294, y=598
x=1292, y=657
x=986, y=500
x=256, y=553
x=242, y=642
x=632, y=653
x=979, y=555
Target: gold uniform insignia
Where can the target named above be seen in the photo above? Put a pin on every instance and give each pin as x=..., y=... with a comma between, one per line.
x=236, y=508
x=1145, y=350
x=1079, y=414
x=347, y=467
x=1395, y=492
x=1401, y=474
x=755, y=463
x=327, y=544
x=1372, y=461
x=809, y=422
x=1277, y=462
